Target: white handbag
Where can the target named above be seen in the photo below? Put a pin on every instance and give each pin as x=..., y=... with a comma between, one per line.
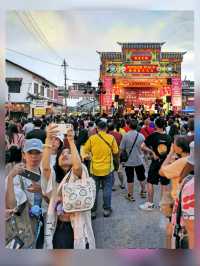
x=79, y=195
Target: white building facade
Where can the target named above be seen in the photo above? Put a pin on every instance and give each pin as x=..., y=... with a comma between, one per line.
x=28, y=91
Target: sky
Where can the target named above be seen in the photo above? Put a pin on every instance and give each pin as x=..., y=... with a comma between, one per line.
x=76, y=35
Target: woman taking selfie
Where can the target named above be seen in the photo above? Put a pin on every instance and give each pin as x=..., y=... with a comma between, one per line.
x=71, y=230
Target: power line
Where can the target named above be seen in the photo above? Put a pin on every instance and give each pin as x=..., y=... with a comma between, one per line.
x=82, y=81
x=33, y=31
x=40, y=33
x=47, y=62
x=83, y=69
x=32, y=57
x=37, y=33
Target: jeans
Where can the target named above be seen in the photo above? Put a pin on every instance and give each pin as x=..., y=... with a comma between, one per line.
x=107, y=182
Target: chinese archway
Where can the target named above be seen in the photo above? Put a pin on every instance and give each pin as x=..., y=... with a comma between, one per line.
x=141, y=74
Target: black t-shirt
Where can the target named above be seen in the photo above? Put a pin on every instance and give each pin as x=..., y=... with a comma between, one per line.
x=159, y=143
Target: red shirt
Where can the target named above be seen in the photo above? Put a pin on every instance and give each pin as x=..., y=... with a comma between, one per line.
x=117, y=136
x=146, y=131
x=127, y=129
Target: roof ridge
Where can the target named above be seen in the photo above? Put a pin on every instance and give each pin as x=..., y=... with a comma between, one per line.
x=32, y=72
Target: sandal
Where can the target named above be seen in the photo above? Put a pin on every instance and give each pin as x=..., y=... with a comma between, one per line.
x=143, y=194
x=130, y=197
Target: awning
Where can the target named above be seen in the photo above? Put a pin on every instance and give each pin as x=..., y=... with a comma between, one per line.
x=189, y=109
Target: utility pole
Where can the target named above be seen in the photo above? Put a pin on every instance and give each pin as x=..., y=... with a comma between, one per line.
x=65, y=81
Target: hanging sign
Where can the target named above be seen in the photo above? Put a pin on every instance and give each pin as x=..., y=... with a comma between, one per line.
x=39, y=111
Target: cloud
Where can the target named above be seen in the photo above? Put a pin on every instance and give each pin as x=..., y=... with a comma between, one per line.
x=76, y=35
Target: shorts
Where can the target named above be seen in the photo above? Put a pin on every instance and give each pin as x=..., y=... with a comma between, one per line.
x=153, y=175
x=140, y=171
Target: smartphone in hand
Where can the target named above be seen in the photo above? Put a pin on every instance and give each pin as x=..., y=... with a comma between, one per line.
x=64, y=127
x=30, y=175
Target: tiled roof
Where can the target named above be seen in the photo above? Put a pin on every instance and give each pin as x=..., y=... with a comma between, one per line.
x=110, y=55
x=155, y=45
x=172, y=54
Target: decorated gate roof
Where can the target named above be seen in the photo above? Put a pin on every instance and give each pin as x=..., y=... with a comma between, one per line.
x=141, y=45
x=111, y=55
x=177, y=55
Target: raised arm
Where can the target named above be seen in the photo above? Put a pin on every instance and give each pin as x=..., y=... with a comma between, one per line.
x=10, y=198
x=46, y=167
x=76, y=160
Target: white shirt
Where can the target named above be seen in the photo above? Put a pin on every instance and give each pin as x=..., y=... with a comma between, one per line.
x=167, y=129
x=53, y=159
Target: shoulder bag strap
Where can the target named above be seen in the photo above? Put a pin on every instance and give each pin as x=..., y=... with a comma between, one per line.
x=105, y=141
x=111, y=155
x=179, y=208
x=19, y=140
x=133, y=144
x=22, y=183
x=65, y=180
x=178, y=217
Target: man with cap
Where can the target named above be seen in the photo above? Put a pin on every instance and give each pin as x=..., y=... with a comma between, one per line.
x=102, y=147
x=23, y=189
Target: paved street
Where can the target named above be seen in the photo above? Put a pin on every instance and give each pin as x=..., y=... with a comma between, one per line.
x=129, y=227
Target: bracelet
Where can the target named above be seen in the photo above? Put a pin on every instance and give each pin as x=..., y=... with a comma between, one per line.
x=47, y=146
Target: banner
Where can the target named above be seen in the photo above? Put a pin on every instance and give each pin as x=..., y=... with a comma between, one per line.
x=106, y=99
x=177, y=92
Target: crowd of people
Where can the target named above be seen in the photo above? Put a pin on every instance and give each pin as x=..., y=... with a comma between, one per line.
x=45, y=167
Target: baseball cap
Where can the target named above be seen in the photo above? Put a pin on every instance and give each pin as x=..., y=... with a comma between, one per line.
x=33, y=144
x=104, y=119
x=60, y=136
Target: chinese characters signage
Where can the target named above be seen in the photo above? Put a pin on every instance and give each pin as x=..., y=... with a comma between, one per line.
x=177, y=92
x=150, y=56
x=141, y=69
x=106, y=99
